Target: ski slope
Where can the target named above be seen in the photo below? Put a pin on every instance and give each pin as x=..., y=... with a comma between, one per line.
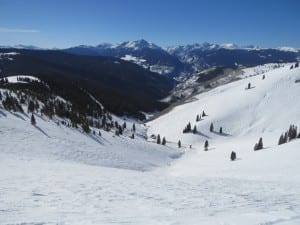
x=270, y=106
x=52, y=174
x=51, y=139
x=266, y=110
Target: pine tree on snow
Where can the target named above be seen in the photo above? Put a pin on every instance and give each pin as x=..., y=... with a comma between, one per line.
x=179, y=144
x=33, y=122
x=211, y=128
x=281, y=140
x=195, y=129
x=158, y=139
x=249, y=85
x=164, y=141
x=233, y=156
x=30, y=106
x=120, y=129
x=206, y=145
x=259, y=145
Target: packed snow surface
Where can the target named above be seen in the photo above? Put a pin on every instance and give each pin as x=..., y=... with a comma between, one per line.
x=52, y=174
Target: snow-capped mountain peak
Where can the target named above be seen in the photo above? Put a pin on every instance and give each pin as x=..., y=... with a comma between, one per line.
x=138, y=45
x=288, y=49
x=229, y=46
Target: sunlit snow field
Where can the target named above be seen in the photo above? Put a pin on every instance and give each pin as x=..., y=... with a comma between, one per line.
x=52, y=174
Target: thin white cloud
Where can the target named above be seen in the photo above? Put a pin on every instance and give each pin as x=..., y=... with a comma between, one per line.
x=10, y=30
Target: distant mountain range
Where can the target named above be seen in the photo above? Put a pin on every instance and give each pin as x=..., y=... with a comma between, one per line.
x=188, y=59
x=184, y=60
x=141, y=52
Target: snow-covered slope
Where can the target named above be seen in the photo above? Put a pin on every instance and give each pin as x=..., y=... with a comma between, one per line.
x=266, y=110
x=52, y=174
x=49, y=140
x=52, y=138
x=216, y=76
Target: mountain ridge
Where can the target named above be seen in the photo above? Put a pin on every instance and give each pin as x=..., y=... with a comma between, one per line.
x=184, y=60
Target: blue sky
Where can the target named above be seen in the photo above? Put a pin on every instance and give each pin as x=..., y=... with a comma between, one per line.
x=59, y=23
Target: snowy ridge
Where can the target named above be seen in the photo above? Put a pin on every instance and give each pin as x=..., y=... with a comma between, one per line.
x=288, y=49
x=266, y=110
x=8, y=55
x=15, y=78
x=65, y=143
x=278, y=80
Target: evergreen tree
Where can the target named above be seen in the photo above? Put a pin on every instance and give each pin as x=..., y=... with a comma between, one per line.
x=285, y=139
x=158, y=139
x=264, y=76
x=179, y=144
x=206, y=145
x=195, y=130
x=133, y=127
x=99, y=133
x=281, y=140
x=203, y=113
x=120, y=129
x=211, y=128
x=164, y=141
x=297, y=64
x=259, y=145
x=197, y=118
x=249, y=85
x=36, y=105
x=221, y=130
x=124, y=125
x=188, y=128
x=33, y=122
x=132, y=136
x=94, y=132
x=103, y=121
x=292, y=132
x=233, y=156
x=30, y=106
x=85, y=127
